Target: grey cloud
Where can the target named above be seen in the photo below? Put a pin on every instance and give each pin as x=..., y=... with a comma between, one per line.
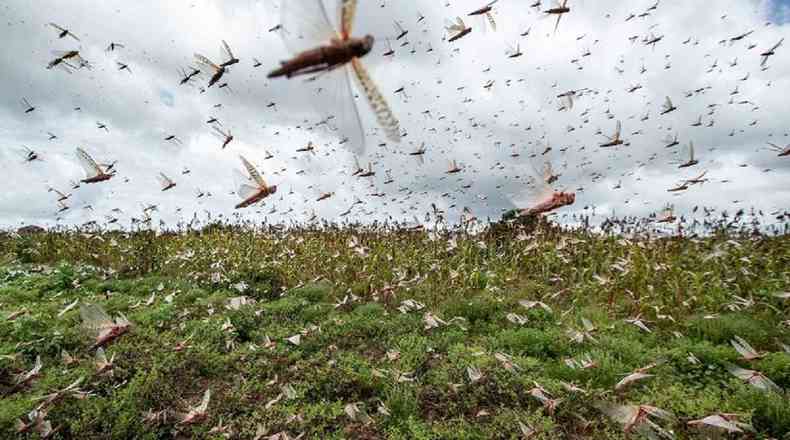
x=475, y=126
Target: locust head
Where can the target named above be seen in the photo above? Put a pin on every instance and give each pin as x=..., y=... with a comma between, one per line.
x=362, y=46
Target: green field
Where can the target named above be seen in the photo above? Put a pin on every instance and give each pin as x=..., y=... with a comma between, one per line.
x=402, y=335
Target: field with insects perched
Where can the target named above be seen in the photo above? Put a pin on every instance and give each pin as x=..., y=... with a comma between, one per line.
x=363, y=333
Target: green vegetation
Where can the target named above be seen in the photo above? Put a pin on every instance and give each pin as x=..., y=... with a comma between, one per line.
x=393, y=327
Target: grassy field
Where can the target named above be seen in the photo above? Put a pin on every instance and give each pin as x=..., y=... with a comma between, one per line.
x=365, y=334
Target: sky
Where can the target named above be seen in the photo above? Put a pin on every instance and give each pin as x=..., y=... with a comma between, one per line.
x=466, y=101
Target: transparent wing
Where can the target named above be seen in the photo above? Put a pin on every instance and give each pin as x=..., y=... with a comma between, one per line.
x=253, y=172
x=548, y=171
x=204, y=404
x=631, y=378
x=542, y=192
x=568, y=98
x=617, y=130
x=245, y=191
x=226, y=50
x=88, y=164
x=622, y=414
x=220, y=133
x=491, y=21
x=658, y=412
x=347, y=17
x=57, y=27
x=720, y=422
x=455, y=27
x=101, y=356
x=306, y=24
x=164, y=180
x=535, y=191
x=668, y=103
x=206, y=62
x=94, y=317
x=346, y=117
x=378, y=103
x=122, y=320
x=244, y=187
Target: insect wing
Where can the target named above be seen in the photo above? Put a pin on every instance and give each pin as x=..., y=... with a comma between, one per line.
x=204, y=404
x=218, y=132
x=101, y=357
x=226, y=50
x=455, y=27
x=88, y=164
x=306, y=24
x=347, y=14
x=244, y=186
x=94, y=317
x=346, y=120
x=253, y=172
x=206, y=62
x=164, y=180
x=378, y=103
x=536, y=191
x=622, y=414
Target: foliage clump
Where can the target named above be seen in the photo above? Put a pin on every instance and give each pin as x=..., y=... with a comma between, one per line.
x=524, y=330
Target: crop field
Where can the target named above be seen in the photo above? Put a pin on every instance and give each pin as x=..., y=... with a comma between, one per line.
x=363, y=333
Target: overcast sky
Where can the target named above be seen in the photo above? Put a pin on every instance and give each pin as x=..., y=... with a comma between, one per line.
x=490, y=131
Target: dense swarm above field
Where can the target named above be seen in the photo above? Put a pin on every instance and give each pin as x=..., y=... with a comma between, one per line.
x=357, y=333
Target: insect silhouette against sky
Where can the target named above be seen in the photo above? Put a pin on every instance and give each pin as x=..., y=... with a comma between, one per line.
x=783, y=152
x=457, y=29
x=165, y=182
x=668, y=107
x=65, y=60
x=225, y=135
x=559, y=9
x=30, y=155
x=487, y=12
x=186, y=77
x=252, y=188
x=63, y=32
x=28, y=108
x=770, y=52
x=95, y=173
x=319, y=49
x=614, y=140
x=218, y=71
x=692, y=159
